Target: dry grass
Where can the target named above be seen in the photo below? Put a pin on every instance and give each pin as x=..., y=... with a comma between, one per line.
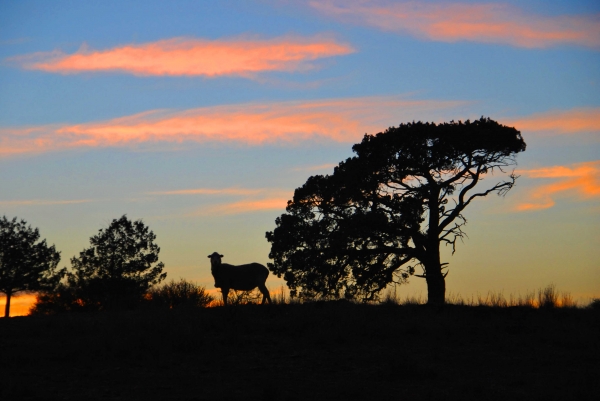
x=547, y=297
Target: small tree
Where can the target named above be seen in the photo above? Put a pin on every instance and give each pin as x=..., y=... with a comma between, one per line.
x=386, y=211
x=119, y=267
x=26, y=265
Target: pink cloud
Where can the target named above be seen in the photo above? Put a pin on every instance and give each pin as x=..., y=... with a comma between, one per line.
x=579, y=120
x=192, y=57
x=248, y=200
x=249, y=205
x=581, y=180
x=339, y=120
x=452, y=22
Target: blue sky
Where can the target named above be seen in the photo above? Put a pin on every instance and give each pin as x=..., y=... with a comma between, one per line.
x=207, y=148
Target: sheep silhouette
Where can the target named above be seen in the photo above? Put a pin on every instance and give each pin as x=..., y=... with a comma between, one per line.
x=242, y=278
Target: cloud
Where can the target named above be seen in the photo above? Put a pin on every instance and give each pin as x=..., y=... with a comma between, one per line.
x=252, y=200
x=452, y=22
x=248, y=205
x=339, y=120
x=581, y=180
x=209, y=191
x=320, y=167
x=40, y=202
x=243, y=57
x=574, y=121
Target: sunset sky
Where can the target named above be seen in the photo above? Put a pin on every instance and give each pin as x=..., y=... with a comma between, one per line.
x=202, y=117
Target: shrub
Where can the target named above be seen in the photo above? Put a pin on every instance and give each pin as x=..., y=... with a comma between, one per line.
x=179, y=294
x=595, y=304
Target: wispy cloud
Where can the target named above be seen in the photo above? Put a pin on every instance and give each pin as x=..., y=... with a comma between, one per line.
x=340, y=120
x=242, y=200
x=574, y=121
x=581, y=180
x=41, y=202
x=452, y=22
x=247, y=205
x=210, y=191
x=242, y=56
x=320, y=167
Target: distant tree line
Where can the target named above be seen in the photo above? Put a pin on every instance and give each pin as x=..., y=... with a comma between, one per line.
x=120, y=270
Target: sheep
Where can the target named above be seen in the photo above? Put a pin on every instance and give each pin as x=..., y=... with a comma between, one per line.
x=244, y=277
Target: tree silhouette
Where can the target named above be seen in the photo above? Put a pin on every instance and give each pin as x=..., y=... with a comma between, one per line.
x=25, y=264
x=384, y=212
x=119, y=267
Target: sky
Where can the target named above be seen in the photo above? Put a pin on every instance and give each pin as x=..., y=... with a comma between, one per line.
x=202, y=117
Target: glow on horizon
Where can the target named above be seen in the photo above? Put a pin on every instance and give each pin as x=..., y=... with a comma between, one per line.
x=452, y=22
x=243, y=57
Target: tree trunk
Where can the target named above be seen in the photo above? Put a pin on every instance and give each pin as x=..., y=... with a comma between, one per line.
x=436, y=287
x=7, y=306
x=436, y=283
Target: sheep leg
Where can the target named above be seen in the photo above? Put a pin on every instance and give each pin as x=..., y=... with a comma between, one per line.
x=225, y=292
x=265, y=293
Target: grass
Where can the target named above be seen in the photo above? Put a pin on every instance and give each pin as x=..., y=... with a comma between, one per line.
x=547, y=297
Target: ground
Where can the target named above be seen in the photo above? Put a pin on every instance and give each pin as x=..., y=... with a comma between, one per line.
x=317, y=351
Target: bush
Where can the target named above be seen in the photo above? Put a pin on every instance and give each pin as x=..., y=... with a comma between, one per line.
x=62, y=299
x=179, y=294
x=595, y=304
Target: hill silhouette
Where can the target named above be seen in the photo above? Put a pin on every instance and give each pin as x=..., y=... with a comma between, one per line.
x=323, y=350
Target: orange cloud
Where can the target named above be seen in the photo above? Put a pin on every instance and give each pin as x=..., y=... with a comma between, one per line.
x=340, y=120
x=192, y=57
x=452, y=22
x=252, y=200
x=249, y=205
x=581, y=180
x=584, y=119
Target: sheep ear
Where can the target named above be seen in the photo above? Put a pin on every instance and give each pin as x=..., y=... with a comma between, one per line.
x=221, y=255
x=208, y=256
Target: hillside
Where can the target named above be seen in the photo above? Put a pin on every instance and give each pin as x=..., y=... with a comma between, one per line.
x=325, y=351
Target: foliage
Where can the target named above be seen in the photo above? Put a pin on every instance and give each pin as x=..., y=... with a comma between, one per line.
x=384, y=212
x=61, y=299
x=119, y=267
x=594, y=304
x=179, y=294
x=25, y=264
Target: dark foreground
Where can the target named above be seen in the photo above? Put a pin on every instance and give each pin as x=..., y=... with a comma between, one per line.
x=332, y=351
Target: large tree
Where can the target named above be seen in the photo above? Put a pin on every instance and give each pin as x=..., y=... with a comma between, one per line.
x=385, y=212
x=26, y=265
x=118, y=268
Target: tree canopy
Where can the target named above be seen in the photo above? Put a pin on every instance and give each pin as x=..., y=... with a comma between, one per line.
x=25, y=264
x=118, y=268
x=383, y=213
